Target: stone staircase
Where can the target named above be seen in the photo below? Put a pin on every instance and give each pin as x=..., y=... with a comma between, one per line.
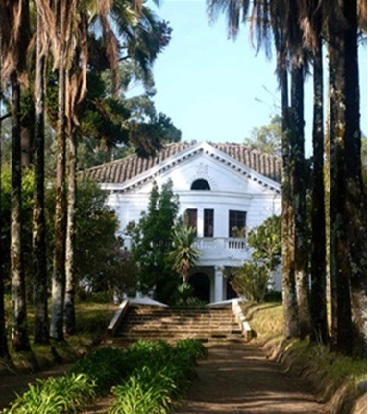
x=153, y=323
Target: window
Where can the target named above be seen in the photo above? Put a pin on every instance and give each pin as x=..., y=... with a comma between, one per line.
x=237, y=223
x=190, y=218
x=200, y=184
x=208, y=222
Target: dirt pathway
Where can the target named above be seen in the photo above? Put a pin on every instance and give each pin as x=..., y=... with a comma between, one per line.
x=242, y=380
x=231, y=380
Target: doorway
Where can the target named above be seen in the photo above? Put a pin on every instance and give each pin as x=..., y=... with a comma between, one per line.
x=200, y=283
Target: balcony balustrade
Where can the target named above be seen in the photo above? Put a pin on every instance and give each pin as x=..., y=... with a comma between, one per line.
x=217, y=248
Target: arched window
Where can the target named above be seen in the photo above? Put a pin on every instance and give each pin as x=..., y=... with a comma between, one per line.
x=200, y=184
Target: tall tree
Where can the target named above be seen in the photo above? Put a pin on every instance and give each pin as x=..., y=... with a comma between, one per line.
x=152, y=241
x=15, y=19
x=69, y=310
x=348, y=199
x=280, y=17
x=290, y=300
x=298, y=177
x=64, y=17
x=41, y=329
x=312, y=21
x=267, y=138
x=74, y=64
x=76, y=85
x=4, y=350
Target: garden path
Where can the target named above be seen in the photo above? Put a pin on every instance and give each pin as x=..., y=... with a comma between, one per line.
x=233, y=379
x=242, y=380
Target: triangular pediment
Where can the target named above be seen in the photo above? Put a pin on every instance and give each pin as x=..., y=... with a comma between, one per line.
x=210, y=155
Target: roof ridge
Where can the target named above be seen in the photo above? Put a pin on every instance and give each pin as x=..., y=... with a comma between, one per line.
x=123, y=169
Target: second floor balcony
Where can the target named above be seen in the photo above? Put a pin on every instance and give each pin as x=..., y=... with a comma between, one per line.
x=219, y=251
x=226, y=249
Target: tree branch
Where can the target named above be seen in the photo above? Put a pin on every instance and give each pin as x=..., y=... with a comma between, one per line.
x=8, y=115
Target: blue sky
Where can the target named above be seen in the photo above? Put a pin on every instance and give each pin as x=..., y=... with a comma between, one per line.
x=215, y=89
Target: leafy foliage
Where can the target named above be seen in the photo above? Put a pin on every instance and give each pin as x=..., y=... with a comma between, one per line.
x=99, y=258
x=253, y=278
x=184, y=296
x=161, y=378
x=152, y=239
x=267, y=138
x=266, y=242
x=107, y=367
x=184, y=255
x=101, y=262
x=27, y=205
x=146, y=378
x=59, y=395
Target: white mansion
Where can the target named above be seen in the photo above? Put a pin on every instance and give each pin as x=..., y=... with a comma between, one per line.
x=223, y=189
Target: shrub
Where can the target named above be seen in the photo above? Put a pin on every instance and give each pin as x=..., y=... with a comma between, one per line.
x=58, y=395
x=162, y=374
x=251, y=281
x=147, y=391
x=107, y=367
x=147, y=377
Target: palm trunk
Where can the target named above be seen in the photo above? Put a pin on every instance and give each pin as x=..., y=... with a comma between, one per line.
x=342, y=332
x=355, y=205
x=20, y=339
x=69, y=310
x=4, y=350
x=58, y=277
x=319, y=332
x=26, y=136
x=290, y=304
x=298, y=177
x=41, y=330
x=28, y=112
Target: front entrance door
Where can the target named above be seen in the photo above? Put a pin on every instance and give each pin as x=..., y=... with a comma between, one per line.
x=201, y=286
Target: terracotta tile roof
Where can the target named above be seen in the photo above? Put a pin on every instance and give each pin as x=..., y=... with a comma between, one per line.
x=127, y=168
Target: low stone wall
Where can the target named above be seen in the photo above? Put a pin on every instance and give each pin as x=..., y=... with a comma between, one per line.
x=241, y=321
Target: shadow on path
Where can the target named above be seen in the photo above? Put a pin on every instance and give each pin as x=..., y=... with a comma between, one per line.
x=241, y=380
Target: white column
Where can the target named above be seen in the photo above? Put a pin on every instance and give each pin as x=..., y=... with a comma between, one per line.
x=200, y=221
x=219, y=283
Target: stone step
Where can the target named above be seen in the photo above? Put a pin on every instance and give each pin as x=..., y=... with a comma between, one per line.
x=173, y=324
x=178, y=316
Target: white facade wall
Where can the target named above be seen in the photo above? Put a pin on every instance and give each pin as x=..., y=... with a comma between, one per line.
x=231, y=189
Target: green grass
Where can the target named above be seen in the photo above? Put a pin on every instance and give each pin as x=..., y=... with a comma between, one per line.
x=92, y=320
x=266, y=319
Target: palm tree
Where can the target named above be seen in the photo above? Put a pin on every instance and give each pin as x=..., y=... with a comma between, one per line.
x=312, y=21
x=69, y=309
x=280, y=17
x=76, y=83
x=72, y=88
x=4, y=350
x=15, y=19
x=64, y=17
x=289, y=291
x=348, y=199
x=184, y=255
x=41, y=330
x=298, y=178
